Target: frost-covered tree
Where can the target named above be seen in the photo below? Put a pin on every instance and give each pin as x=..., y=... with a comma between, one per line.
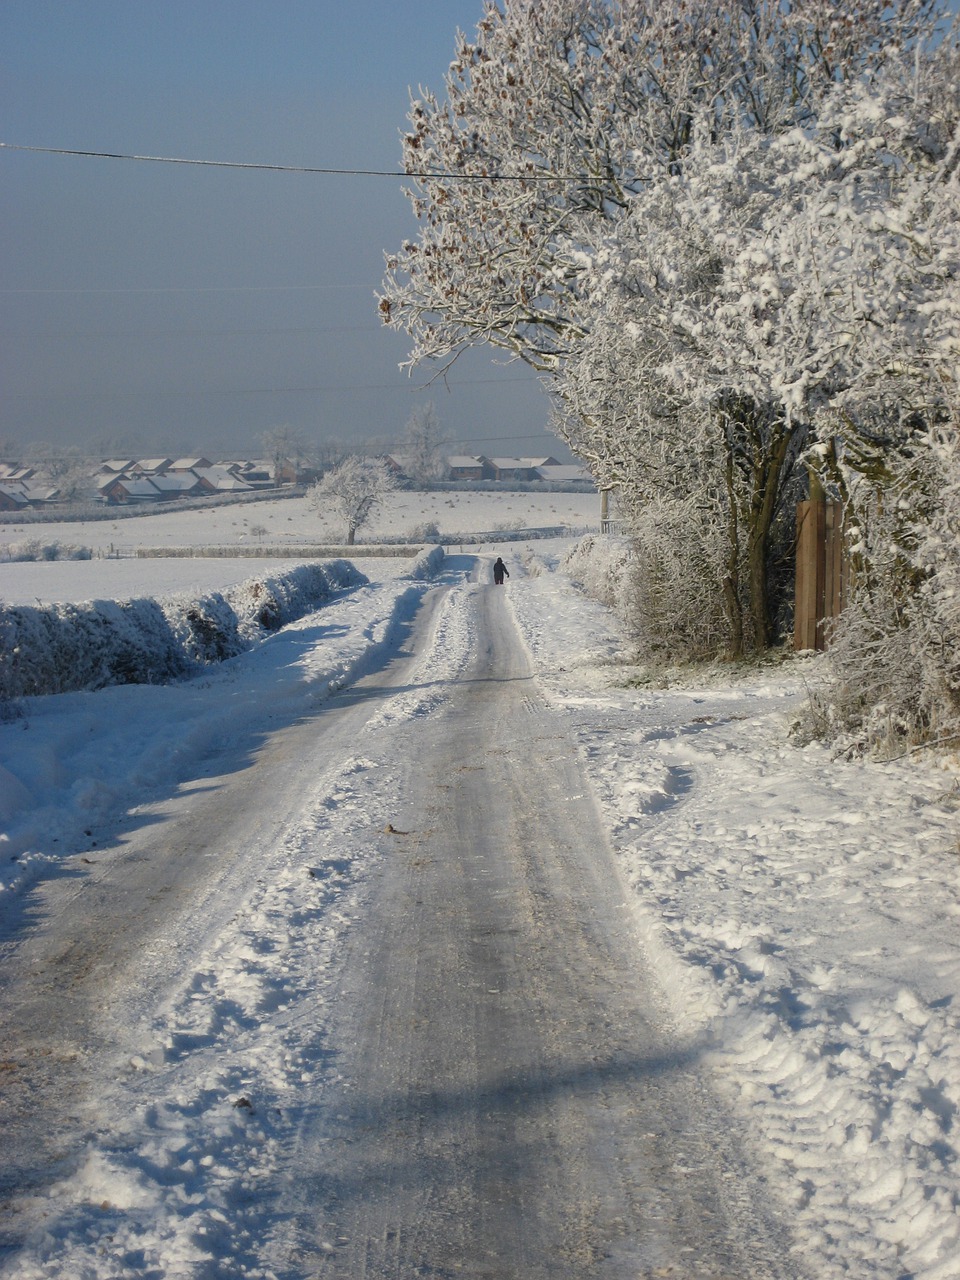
x=556, y=114
x=631, y=198
x=425, y=445
x=752, y=300
x=286, y=447
x=354, y=490
x=65, y=467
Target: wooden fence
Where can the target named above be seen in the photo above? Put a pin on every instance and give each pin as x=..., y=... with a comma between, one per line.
x=823, y=571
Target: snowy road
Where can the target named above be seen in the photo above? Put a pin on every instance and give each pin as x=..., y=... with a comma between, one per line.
x=367, y=1001
x=506, y=1104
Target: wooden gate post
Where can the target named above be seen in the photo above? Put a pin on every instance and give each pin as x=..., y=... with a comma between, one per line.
x=810, y=575
x=822, y=571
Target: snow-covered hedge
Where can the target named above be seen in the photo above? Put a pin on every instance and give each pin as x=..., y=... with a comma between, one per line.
x=427, y=563
x=35, y=549
x=279, y=551
x=601, y=566
x=266, y=604
x=66, y=647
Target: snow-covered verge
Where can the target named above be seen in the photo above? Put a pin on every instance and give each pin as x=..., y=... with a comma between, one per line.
x=72, y=759
x=62, y=648
x=803, y=913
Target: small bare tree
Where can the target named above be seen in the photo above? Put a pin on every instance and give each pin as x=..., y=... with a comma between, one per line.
x=354, y=489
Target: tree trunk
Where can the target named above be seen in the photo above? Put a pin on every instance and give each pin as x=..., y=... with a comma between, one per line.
x=731, y=580
x=757, y=444
x=767, y=476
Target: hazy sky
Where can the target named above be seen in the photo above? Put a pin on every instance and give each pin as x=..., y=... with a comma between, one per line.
x=172, y=308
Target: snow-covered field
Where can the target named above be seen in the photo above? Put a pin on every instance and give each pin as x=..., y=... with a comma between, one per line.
x=803, y=915
x=70, y=581
x=293, y=520
x=115, y=574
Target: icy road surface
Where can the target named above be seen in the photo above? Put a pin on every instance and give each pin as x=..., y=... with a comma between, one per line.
x=505, y=1104
x=370, y=1003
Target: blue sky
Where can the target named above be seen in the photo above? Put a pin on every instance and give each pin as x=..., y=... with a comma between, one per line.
x=185, y=308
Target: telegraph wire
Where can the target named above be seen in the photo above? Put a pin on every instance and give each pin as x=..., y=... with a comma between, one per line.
x=297, y=168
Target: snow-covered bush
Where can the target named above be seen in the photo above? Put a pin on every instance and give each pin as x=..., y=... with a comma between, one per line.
x=429, y=531
x=891, y=678
x=601, y=567
x=665, y=583
x=34, y=549
x=676, y=596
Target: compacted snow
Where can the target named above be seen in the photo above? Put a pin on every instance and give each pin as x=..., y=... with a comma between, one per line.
x=801, y=914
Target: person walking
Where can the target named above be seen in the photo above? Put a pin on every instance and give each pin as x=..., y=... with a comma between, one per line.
x=499, y=571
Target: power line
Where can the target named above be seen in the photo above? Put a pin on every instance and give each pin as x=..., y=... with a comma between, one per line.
x=296, y=168
x=154, y=392
x=216, y=288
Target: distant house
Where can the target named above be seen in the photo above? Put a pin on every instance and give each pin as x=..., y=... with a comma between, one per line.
x=224, y=479
x=116, y=466
x=41, y=495
x=513, y=468
x=12, y=498
x=182, y=484
x=190, y=464
x=289, y=472
x=256, y=474
x=469, y=467
x=151, y=466
x=563, y=473
x=128, y=489
x=11, y=473
x=397, y=464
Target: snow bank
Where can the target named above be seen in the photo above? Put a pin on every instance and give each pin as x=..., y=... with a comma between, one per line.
x=62, y=648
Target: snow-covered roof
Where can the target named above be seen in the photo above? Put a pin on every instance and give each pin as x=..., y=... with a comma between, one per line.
x=136, y=486
x=223, y=478
x=189, y=464
x=513, y=464
x=41, y=492
x=15, y=492
x=179, y=482
x=563, y=472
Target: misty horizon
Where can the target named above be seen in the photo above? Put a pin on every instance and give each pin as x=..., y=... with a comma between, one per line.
x=169, y=307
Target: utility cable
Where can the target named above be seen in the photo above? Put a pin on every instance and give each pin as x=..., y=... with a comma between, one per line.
x=297, y=168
